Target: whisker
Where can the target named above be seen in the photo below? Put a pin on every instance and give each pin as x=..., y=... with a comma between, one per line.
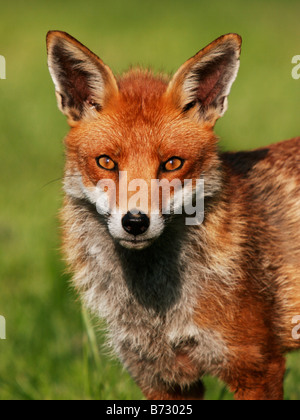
x=58, y=179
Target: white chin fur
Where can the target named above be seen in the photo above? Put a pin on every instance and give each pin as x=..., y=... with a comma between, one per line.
x=136, y=244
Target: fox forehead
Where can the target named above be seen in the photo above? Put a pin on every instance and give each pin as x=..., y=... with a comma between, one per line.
x=140, y=119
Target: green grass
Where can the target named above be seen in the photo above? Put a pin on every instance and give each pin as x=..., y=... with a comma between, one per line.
x=51, y=347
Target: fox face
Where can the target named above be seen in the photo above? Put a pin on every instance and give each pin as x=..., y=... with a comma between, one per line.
x=139, y=144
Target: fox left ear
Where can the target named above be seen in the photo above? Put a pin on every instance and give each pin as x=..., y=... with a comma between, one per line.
x=202, y=84
x=83, y=83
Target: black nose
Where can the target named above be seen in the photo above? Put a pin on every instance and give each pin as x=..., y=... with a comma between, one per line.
x=135, y=222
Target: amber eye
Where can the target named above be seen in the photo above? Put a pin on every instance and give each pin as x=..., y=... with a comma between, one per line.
x=173, y=164
x=105, y=162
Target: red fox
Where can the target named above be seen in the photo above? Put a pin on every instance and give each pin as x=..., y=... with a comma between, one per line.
x=181, y=300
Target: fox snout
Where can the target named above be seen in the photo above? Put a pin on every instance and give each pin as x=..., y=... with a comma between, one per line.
x=135, y=229
x=135, y=222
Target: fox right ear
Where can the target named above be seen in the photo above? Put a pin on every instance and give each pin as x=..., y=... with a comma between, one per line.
x=83, y=83
x=202, y=84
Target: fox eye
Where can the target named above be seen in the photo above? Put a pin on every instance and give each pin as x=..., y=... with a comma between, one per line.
x=105, y=162
x=173, y=164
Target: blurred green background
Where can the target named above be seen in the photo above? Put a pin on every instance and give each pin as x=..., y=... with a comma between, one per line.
x=51, y=347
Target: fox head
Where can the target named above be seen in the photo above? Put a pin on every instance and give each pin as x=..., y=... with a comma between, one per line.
x=131, y=134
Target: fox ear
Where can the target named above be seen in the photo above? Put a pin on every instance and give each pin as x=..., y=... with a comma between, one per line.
x=201, y=85
x=83, y=83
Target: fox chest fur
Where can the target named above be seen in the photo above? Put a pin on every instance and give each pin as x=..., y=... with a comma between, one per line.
x=148, y=299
